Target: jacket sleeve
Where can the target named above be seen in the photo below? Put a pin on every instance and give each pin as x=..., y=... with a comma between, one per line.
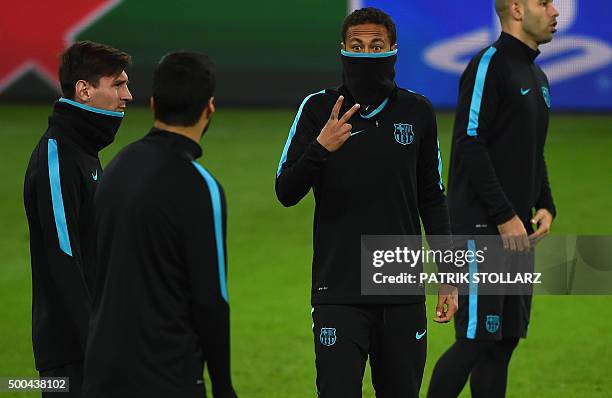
x=433, y=209
x=545, y=201
x=58, y=198
x=204, y=235
x=302, y=158
x=480, y=92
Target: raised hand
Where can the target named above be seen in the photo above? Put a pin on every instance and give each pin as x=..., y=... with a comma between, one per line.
x=336, y=131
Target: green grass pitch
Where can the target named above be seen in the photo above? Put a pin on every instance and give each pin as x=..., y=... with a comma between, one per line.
x=568, y=352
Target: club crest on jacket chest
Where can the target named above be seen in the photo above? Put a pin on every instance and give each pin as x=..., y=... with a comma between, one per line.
x=403, y=133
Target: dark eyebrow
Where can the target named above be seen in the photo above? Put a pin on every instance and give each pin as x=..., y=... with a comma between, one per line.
x=356, y=39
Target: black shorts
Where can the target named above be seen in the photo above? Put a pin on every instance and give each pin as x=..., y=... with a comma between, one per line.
x=393, y=336
x=74, y=373
x=495, y=316
x=492, y=317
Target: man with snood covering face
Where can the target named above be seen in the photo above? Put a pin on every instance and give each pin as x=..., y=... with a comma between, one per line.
x=367, y=179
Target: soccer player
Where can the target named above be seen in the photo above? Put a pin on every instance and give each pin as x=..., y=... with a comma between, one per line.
x=368, y=177
x=161, y=305
x=60, y=183
x=498, y=179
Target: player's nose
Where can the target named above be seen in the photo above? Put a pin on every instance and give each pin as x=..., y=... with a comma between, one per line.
x=555, y=12
x=127, y=97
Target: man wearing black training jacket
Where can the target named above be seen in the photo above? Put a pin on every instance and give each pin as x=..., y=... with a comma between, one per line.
x=498, y=186
x=369, y=151
x=161, y=307
x=60, y=183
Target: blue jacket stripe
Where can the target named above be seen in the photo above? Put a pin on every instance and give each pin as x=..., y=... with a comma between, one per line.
x=481, y=75
x=473, y=294
x=57, y=199
x=441, y=182
x=283, y=158
x=215, y=198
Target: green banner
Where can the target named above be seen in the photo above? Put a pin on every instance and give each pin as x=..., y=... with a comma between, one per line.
x=266, y=53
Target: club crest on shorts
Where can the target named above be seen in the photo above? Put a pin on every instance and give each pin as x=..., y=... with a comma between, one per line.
x=492, y=323
x=546, y=95
x=328, y=336
x=403, y=133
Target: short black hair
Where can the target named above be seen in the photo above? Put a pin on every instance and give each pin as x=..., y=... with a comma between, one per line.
x=89, y=61
x=370, y=15
x=183, y=83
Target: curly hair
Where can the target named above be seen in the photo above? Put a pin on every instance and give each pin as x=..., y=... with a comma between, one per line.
x=370, y=15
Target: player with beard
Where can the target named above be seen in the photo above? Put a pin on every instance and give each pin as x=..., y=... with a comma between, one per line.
x=161, y=308
x=369, y=151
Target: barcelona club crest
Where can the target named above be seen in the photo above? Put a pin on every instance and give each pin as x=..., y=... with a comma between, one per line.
x=546, y=95
x=328, y=336
x=403, y=133
x=492, y=323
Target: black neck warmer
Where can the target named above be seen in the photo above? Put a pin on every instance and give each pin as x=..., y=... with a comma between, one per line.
x=369, y=77
x=91, y=128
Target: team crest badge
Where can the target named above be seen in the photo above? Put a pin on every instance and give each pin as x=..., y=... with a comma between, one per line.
x=403, y=133
x=546, y=95
x=492, y=323
x=328, y=336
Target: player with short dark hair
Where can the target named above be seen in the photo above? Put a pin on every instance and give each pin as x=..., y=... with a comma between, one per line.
x=498, y=185
x=89, y=61
x=60, y=183
x=370, y=15
x=161, y=307
x=177, y=103
x=369, y=177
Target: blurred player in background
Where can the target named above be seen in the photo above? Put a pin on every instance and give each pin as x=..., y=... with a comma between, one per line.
x=498, y=184
x=378, y=175
x=161, y=306
x=60, y=183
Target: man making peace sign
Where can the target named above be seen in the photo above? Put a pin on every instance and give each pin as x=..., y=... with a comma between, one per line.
x=369, y=151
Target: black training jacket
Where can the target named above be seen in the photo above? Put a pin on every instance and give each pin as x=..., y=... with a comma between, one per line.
x=160, y=309
x=384, y=180
x=497, y=165
x=59, y=188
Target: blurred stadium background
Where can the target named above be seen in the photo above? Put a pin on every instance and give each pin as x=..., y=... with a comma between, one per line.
x=269, y=55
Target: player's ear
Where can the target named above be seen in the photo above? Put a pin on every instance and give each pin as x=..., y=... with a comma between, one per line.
x=81, y=91
x=211, y=106
x=394, y=47
x=152, y=104
x=516, y=10
x=342, y=46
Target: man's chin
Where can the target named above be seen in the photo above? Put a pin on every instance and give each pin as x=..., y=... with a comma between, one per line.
x=544, y=40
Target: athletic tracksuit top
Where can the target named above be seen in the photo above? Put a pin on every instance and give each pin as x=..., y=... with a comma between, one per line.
x=497, y=165
x=160, y=308
x=384, y=180
x=59, y=188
